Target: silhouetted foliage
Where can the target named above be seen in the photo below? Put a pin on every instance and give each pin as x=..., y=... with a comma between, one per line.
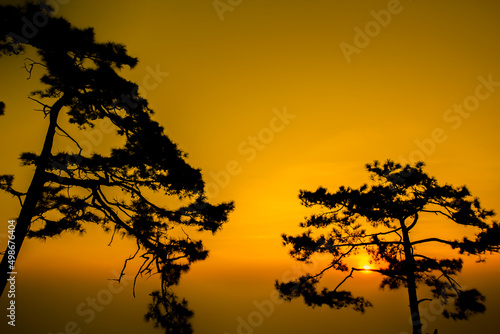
x=168, y=313
x=378, y=219
x=72, y=188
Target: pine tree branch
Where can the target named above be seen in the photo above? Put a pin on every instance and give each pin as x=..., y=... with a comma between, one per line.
x=122, y=273
x=333, y=263
x=87, y=184
x=45, y=106
x=71, y=138
x=383, y=233
x=424, y=299
x=368, y=244
x=99, y=197
x=30, y=69
x=348, y=276
x=412, y=225
x=453, y=244
x=439, y=212
x=453, y=283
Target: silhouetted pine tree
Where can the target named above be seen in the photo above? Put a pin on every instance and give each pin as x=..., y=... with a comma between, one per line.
x=69, y=190
x=379, y=219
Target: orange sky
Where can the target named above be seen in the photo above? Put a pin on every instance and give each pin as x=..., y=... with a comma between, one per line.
x=267, y=101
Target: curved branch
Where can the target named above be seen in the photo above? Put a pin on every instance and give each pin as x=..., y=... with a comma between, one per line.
x=87, y=184
x=72, y=139
x=438, y=212
x=31, y=66
x=453, y=244
x=382, y=233
x=369, y=244
x=424, y=299
x=345, y=279
x=45, y=106
x=412, y=225
x=333, y=263
x=122, y=273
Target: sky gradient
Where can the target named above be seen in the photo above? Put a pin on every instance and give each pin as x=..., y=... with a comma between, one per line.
x=267, y=98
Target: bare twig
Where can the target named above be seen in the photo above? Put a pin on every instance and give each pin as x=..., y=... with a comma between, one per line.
x=45, y=106
x=30, y=69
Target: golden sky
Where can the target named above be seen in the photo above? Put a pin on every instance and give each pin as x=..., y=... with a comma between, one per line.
x=269, y=97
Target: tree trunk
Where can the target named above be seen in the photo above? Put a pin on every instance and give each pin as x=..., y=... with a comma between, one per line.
x=410, y=280
x=33, y=195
